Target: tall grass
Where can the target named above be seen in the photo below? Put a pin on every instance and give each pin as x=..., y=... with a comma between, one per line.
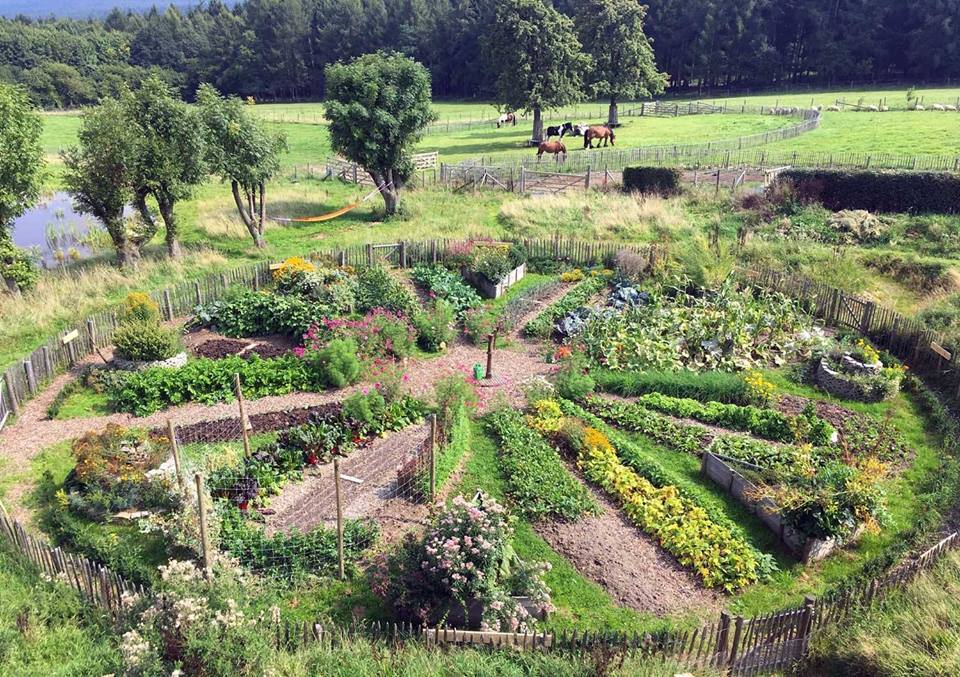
x=913, y=632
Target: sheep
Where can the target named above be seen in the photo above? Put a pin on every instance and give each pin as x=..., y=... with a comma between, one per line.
x=950, y=106
x=871, y=109
x=938, y=106
x=884, y=109
x=919, y=107
x=833, y=109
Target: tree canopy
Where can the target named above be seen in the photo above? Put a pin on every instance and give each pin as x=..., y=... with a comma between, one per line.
x=535, y=57
x=240, y=150
x=21, y=156
x=623, y=64
x=378, y=106
x=168, y=152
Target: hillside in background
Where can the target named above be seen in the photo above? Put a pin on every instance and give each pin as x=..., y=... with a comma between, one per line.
x=82, y=9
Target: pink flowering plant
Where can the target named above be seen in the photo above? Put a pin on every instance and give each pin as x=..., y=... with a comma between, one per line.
x=463, y=571
x=379, y=334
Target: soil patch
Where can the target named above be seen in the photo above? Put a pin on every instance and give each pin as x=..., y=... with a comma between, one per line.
x=368, y=488
x=225, y=429
x=216, y=349
x=629, y=565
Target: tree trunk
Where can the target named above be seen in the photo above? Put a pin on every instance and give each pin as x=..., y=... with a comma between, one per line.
x=128, y=250
x=170, y=226
x=613, y=117
x=537, y=125
x=388, y=190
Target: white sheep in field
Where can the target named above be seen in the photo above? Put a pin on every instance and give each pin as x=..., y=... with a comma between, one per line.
x=833, y=109
x=884, y=109
x=938, y=106
x=919, y=107
x=950, y=106
x=871, y=109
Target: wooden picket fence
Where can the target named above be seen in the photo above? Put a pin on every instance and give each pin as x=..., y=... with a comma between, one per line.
x=926, y=352
x=25, y=379
x=97, y=584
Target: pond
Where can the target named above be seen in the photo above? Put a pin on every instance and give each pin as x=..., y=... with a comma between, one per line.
x=58, y=233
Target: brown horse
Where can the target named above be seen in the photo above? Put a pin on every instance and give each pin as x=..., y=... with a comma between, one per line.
x=600, y=133
x=554, y=147
x=507, y=119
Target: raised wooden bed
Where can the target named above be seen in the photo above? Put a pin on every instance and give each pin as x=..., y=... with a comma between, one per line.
x=806, y=549
x=488, y=289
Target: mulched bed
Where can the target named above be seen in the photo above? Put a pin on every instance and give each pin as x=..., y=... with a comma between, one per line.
x=216, y=349
x=226, y=429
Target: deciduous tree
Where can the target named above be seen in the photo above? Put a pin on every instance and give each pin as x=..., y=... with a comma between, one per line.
x=378, y=106
x=21, y=168
x=167, y=153
x=99, y=175
x=240, y=150
x=623, y=65
x=535, y=57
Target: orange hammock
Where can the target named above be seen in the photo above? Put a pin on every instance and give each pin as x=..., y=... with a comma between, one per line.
x=330, y=215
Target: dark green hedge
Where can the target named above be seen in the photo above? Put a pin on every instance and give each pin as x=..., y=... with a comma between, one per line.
x=659, y=180
x=877, y=191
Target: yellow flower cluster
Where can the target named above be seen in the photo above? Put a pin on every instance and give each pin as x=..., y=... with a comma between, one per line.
x=292, y=266
x=574, y=275
x=547, y=417
x=869, y=353
x=682, y=528
x=758, y=387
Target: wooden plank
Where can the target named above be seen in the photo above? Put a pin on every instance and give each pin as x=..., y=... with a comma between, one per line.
x=940, y=350
x=70, y=336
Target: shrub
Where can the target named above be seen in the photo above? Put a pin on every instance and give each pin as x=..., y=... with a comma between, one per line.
x=705, y=386
x=376, y=288
x=145, y=341
x=452, y=393
x=290, y=276
x=335, y=365
x=435, y=327
x=463, y=559
x=573, y=381
x=18, y=265
x=878, y=191
x=657, y=180
x=139, y=307
x=537, y=481
x=380, y=334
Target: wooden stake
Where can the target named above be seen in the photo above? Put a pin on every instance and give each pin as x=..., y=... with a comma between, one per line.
x=336, y=487
x=204, y=534
x=243, y=416
x=172, y=432
x=433, y=457
x=491, y=338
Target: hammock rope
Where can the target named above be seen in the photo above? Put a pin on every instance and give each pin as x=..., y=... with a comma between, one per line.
x=336, y=212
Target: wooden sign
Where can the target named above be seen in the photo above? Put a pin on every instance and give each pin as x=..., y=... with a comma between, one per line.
x=940, y=350
x=275, y=266
x=69, y=336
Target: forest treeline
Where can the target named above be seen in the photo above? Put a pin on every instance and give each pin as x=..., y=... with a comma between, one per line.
x=276, y=49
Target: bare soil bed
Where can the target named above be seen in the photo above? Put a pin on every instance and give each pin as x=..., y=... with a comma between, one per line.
x=312, y=502
x=630, y=566
x=210, y=344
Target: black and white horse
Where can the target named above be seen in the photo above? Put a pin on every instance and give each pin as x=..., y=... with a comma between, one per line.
x=560, y=130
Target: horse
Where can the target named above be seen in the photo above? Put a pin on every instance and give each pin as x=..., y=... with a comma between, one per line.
x=553, y=147
x=598, y=132
x=507, y=118
x=560, y=130
x=575, y=130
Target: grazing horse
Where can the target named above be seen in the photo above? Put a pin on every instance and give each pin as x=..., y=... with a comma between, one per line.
x=598, y=132
x=507, y=118
x=560, y=130
x=554, y=147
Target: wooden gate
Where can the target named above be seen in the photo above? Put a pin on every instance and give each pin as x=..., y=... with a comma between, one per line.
x=850, y=311
x=551, y=182
x=464, y=178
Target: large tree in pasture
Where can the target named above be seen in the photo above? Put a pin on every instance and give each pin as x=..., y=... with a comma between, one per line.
x=623, y=65
x=99, y=175
x=535, y=58
x=378, y=106
x=167, y=153
x=21, y=170
x=240, y=150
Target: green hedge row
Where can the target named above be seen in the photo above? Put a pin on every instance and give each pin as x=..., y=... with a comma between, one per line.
x=449, y=457
x=877, y=191
x=656, y=180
